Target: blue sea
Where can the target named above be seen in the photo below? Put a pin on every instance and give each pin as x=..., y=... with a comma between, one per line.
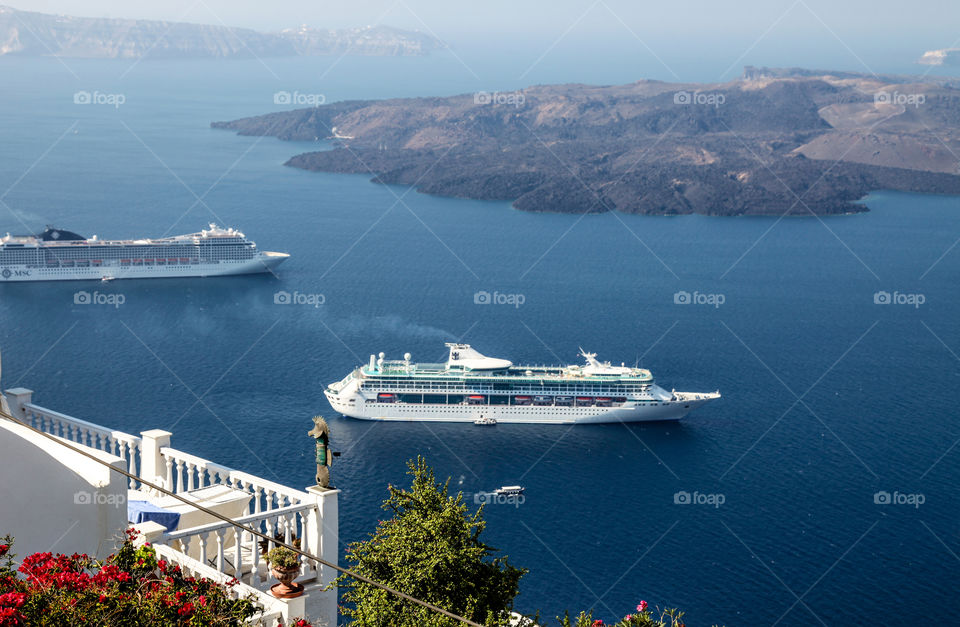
x=759, y=508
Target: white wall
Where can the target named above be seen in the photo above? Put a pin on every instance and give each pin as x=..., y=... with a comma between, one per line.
x=53, y=499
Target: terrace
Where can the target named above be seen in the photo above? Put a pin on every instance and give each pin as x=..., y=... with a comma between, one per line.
x=88, y=504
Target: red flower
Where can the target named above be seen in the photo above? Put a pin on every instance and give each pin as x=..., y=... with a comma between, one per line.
x=642, y=607
x=598, y=623
x=10, y=617
x=3, y=549
x=13, y=599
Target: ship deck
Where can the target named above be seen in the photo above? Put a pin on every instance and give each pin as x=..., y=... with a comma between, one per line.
x=440, y=372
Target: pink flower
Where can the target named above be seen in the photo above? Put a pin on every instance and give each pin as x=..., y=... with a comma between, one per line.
x=628, y=617
x=642, y=607
x=598, y=623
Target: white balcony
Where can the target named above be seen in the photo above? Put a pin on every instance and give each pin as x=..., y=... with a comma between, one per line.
x=201, y=544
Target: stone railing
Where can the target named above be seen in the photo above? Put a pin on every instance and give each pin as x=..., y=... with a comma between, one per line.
x=229, y=549
x=123, y=445
x=183, y=472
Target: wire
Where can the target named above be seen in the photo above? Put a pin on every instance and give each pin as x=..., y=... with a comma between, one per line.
x=256, y=532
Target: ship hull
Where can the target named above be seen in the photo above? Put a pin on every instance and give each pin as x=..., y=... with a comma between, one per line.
x=527, y=414
x=265, y=262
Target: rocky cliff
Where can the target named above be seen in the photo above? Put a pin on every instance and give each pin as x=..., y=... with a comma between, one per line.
x=772, y=142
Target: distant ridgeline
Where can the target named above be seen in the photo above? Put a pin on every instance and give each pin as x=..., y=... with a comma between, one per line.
x=40, y=34
x=774, y=141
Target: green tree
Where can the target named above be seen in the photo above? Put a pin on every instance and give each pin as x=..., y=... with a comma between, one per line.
x=431, y=550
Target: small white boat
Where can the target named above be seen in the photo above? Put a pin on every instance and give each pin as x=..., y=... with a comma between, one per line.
x=107, y=279
x=485, y=421
x=509, y=489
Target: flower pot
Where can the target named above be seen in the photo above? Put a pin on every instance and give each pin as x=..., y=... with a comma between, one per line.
x=287, y=588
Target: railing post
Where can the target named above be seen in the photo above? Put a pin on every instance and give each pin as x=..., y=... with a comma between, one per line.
x=181, y=478
x=16, y=399
x=149, y=532
x=237, y=555
x=153, y=468
x=321, y=531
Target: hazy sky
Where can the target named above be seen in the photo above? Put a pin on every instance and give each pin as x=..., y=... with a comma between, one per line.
x=848, y=18
x=854, y=33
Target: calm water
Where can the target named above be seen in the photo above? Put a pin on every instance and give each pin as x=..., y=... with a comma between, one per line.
x=599, y=527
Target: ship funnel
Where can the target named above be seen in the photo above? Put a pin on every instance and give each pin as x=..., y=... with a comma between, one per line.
x=463, y=356
x=373, y=361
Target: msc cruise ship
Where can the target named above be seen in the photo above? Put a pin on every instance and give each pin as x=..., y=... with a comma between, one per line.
x=471, y=387
x=57, y=255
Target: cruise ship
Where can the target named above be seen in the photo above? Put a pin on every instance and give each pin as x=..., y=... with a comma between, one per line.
x=471, y=387
x=58, y=255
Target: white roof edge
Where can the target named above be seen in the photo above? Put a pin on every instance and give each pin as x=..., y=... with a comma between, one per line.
x=95, y=474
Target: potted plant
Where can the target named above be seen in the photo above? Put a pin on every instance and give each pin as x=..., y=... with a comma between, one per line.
x=284, y=566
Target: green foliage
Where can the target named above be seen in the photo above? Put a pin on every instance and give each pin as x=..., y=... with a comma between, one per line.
x=7, y=560
x=431, y=550
x=283, y=558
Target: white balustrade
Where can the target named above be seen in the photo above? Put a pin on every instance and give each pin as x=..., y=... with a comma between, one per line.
x=186, y=472
x=240, y=553
x=123, y=445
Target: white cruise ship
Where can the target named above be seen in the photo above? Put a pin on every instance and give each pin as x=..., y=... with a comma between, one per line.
x=470, y=387
x=57, y=255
